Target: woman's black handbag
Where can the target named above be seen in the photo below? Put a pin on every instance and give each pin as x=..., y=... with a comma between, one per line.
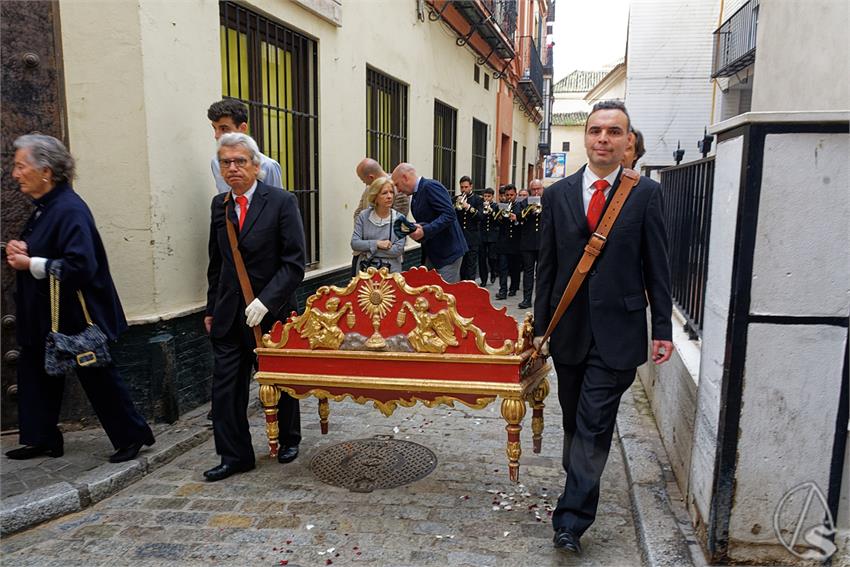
x=67, y=352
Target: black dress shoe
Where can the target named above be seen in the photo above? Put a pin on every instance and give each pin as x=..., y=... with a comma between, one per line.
x=484, y=283
x=33, y=451
x=492, y=279
x=225, y=470
x=512, y=293
x=287, y=454
x=565, y=540
x=130, y=452
x=501, y=295
x=524, y=305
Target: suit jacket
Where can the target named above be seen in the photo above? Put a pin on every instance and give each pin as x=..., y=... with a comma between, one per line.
x=273, y=248
x=432, y=208
x=529, y=231
x=508, y=242
x=490, y=225
x=62, y=229
x=470, y=220
x=610, y=306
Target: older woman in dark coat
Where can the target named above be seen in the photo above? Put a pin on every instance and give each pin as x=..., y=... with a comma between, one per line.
x=60, y=239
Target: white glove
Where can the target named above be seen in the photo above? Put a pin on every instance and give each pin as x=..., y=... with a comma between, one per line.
x=544, y=349
x=255, y=312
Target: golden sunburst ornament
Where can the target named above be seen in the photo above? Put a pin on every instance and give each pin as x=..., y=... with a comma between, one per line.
x=376, y=298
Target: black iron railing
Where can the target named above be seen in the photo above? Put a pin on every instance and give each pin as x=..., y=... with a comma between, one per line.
x=504, y=14
x=687, y=191
x=735, y=41
x=531, y=80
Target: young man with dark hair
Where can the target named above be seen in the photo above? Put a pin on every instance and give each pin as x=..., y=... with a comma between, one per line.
x=468, y=208
x=488, y=265
x=228, y=116
x=602, y=337
x=507, y=247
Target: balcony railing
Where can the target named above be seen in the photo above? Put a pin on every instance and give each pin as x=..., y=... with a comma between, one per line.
x=735, y=41
x=687, y=190
x=531, y=80
x=504, y=14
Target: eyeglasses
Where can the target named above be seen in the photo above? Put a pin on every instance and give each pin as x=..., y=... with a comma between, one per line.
x=239, y=162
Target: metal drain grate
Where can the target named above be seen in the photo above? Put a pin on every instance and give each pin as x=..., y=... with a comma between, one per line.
x=362, y=465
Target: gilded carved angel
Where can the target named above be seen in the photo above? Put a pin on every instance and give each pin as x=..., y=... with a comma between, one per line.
x=321, y=328
x=433, y=332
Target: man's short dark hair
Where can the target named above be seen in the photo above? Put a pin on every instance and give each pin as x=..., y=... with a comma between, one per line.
x=465, y=178
x=510, y=187
x=236, y=110
x=610, y=105
x=489, y=191
x=640, y=145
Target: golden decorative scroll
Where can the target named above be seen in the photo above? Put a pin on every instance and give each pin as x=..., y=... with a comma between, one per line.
x=376, y=298
x=388, y=407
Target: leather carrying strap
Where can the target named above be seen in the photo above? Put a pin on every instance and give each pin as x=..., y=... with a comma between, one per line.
x=244, y=282
x=54, y=305
x=628, y=179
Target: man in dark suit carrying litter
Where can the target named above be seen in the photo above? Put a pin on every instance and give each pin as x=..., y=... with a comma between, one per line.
x=271, y=243
x=602, y=337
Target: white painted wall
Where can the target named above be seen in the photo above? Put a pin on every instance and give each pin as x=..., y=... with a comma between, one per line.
x=668, y=77
x=137, y=94
x=802, y=58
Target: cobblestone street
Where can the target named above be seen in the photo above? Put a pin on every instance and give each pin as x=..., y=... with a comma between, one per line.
x=466, y=512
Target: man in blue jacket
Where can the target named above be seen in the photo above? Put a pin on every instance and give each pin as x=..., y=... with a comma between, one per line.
x=437, y=227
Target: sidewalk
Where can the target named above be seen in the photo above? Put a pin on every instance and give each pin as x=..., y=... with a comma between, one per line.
x=465, y=512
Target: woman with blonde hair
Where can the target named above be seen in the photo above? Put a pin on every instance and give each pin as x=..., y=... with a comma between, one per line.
x=373, y=236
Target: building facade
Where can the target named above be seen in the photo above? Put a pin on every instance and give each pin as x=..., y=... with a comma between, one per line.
x=326, y=82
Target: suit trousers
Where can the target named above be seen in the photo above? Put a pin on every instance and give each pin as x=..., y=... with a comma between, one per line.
x=40, y=401
x=469, y=265
x=509, y=265
x=488, y=264
x=529, y=263
x=233, y=363
x=589, y=394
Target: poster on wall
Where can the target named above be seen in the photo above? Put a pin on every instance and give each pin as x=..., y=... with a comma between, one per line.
x=555, y=166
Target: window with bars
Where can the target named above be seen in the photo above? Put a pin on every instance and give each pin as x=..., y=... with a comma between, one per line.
x=513, y=166
x=445, y=144
x=274, y=70
x=479, y=154
x=386, y=119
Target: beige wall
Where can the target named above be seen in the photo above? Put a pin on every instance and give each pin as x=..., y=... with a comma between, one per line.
x=801, y=56
x=137, y=93
x=577, y=155
x=133, y=92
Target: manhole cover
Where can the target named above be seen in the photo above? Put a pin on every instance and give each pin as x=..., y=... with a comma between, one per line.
x=362, y=465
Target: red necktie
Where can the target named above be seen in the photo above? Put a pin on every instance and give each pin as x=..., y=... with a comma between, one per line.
x=597, y=203
x=242, y=200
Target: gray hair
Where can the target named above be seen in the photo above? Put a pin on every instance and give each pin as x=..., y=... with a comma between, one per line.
x=48, y=152
x=239, y=139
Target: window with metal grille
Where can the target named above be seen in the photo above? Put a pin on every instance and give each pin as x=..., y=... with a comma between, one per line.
x=386, y=119
x=445, y=144
x=274, y=70
x=513, y=166
x=479, y=154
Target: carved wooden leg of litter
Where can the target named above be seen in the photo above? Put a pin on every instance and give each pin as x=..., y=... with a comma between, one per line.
x=269, y=396
x=324, y=412
x=537, y=398
x=513, y=410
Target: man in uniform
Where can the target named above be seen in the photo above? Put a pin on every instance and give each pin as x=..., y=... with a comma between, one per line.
x=529, y=240
x=488, y=266
x=510, y=260
x=468, y=207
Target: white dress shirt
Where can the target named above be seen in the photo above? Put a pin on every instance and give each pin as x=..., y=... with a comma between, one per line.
x=587, y=181
x=249, y=193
